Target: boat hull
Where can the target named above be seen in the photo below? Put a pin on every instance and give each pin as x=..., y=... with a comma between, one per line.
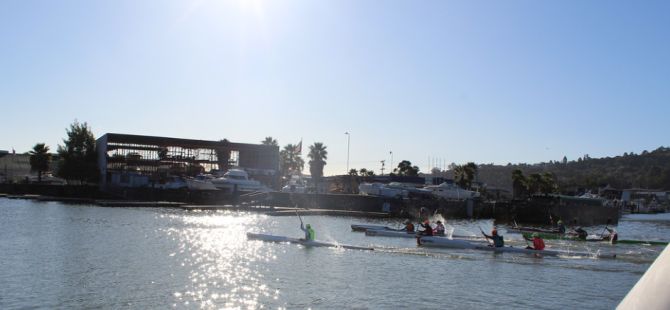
x=404, y=234
x=309, y=243
x=464, y=244
x=553, y=236
x=364, y=227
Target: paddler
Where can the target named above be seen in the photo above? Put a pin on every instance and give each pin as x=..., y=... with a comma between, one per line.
x=581, y=233
x=498, y=241
x=538, y=243
x=561, y=227
x=427, y=229
x=614, y=236
x=439, y=229
x=309, y=232
x=409, y=227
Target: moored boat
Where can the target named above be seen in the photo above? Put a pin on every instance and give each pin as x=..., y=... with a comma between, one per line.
x=464, y=244
x=310, y=243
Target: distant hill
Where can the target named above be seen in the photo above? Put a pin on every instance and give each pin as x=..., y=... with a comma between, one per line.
x=649, y=170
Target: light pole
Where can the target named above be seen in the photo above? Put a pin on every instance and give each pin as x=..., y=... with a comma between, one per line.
x=391, y=164
x=348, y=140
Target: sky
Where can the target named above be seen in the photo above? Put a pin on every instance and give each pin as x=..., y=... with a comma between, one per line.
x=432, y=82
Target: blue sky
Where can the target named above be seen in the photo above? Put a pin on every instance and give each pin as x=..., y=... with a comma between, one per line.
x=482, y=81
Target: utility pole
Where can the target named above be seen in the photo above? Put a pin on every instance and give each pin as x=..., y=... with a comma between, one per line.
x=383, y=166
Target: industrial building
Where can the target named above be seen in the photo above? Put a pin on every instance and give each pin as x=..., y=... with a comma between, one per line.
x=137, y=161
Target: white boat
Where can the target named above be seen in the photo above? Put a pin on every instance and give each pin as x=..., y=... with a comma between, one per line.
x=173, y=182
x=238, y=179
x=464, y=244
x=201, y=182
x=411, y=189
x=651, y=291
x=380, y=189
x=451, y=191
x=295, y=185
x=313, y=243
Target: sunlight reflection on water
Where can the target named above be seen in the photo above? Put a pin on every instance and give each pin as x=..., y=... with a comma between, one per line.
x=222, y=264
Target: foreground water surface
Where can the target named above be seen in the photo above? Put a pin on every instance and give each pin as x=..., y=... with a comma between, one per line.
x=54, y=255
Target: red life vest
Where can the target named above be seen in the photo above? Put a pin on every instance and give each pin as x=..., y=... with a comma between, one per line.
x=538, y=244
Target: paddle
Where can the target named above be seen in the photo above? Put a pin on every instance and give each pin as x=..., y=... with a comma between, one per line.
x=483, y=233
x=298, y=214
x=602, y=233
x=528, y=244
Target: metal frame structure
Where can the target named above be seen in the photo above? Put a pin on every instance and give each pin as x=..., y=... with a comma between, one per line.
x=162, y=157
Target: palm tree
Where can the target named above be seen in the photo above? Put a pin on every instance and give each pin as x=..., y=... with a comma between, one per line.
x=317, y=155
x=465, y=174
x=534, y=182
x=270, y=141
x=548, y=185
x=471, y=171
x=290, y=160
x=519, y=183
x=40, y=159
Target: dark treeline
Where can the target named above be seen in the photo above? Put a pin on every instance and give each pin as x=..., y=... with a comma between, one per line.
x=649, y=170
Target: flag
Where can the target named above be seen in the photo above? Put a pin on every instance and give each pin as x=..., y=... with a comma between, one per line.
x=298, y=148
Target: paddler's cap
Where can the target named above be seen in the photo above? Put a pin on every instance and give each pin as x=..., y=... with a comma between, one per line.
x=309, y=226
x=439, y=222
x=536, y=235
x=560, y=222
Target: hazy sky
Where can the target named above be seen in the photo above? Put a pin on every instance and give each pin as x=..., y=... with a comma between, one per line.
x=482, y=81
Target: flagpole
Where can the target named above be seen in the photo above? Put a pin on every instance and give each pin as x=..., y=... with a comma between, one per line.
x=348, y=140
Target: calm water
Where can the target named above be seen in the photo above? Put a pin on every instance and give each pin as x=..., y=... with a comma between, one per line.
x=54, y=255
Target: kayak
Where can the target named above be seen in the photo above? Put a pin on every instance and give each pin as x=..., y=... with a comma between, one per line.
x=553, y=236
x=520, y=229
x=364, y=227
x=309, y=243
x=464, y=244
x=404, y=234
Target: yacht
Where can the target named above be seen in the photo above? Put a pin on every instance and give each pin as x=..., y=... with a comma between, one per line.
x=412, y=189
x=452, y=191
x=382, y=190
x=201, y=182
x=238, y=179
x=295, y=185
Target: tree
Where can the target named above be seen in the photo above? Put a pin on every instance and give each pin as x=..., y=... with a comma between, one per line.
x=365, y=172
x=464, y=175
x=270, y=141
x=79, y=158
x=405, y=168
x=519, y=184
x=353, y=172
x=534, y=182
x=40, y=159
x=290, y=160
x=548, y=183
x=317, y=155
